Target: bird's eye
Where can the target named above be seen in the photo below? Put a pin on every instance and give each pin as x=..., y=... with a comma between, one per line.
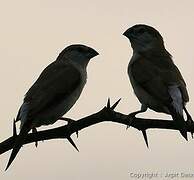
x=141, y=30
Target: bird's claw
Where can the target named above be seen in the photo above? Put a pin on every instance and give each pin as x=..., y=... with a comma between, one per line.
x=130, y=122
x=131, y=117
x=69, y=122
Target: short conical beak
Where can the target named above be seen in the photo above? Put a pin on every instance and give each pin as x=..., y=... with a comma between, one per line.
x=127, y=33
x=93, y=53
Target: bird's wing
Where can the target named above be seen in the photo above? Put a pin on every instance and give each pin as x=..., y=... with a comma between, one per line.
x=55, y=83
x=171, y=73
x=164, y=82
x=155, y=78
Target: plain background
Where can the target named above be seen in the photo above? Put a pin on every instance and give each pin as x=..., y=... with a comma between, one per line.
x=32, y=34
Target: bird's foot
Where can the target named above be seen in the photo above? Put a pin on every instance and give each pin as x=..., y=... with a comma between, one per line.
x=131, y=117
x=69, y=122
x=67, y=119
x=34, y=130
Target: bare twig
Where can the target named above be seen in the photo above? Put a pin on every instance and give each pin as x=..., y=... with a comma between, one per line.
x=106, y=114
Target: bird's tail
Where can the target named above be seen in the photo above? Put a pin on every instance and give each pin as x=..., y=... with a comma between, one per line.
x=18, y=144
x=180, y=122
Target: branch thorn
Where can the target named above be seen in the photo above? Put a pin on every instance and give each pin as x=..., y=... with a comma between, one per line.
x=108, y=103
x=72, y=143
x=115, y=104
x=145, y=137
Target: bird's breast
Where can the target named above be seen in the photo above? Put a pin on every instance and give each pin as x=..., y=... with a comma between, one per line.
x=141, y=94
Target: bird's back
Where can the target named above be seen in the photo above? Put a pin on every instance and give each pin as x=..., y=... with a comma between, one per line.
x=53, y=94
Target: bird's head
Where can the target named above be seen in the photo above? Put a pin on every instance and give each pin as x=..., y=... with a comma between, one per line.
x=78, y=53
x=144, y=38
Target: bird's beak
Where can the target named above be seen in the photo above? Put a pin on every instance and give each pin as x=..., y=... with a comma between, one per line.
x=93, y=53
x=125, y=33
x=128, y=33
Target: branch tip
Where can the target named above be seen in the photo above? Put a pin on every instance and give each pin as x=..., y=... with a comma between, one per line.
x=65, y=131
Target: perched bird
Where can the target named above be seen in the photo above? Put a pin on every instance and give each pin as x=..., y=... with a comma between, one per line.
x=54, y=93
x=156, y=80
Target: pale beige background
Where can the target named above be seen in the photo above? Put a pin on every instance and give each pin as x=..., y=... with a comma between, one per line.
x=32, y=33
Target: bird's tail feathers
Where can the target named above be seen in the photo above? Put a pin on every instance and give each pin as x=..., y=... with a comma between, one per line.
x=180, y=122
x=18, y=144
x=18, y=115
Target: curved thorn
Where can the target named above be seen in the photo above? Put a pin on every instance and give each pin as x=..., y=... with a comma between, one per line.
x=115, y=104
x=108, y=103
x=145, y=137
x=72, y=143
x=14, y=128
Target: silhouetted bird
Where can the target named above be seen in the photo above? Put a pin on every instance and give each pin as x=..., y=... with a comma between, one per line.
x=156, y=80
x=55, y=91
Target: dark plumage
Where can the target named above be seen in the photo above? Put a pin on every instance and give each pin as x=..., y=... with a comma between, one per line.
x=156, y=80
x=54, y=93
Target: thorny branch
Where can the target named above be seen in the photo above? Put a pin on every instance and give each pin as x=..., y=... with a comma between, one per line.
x=106, y=114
